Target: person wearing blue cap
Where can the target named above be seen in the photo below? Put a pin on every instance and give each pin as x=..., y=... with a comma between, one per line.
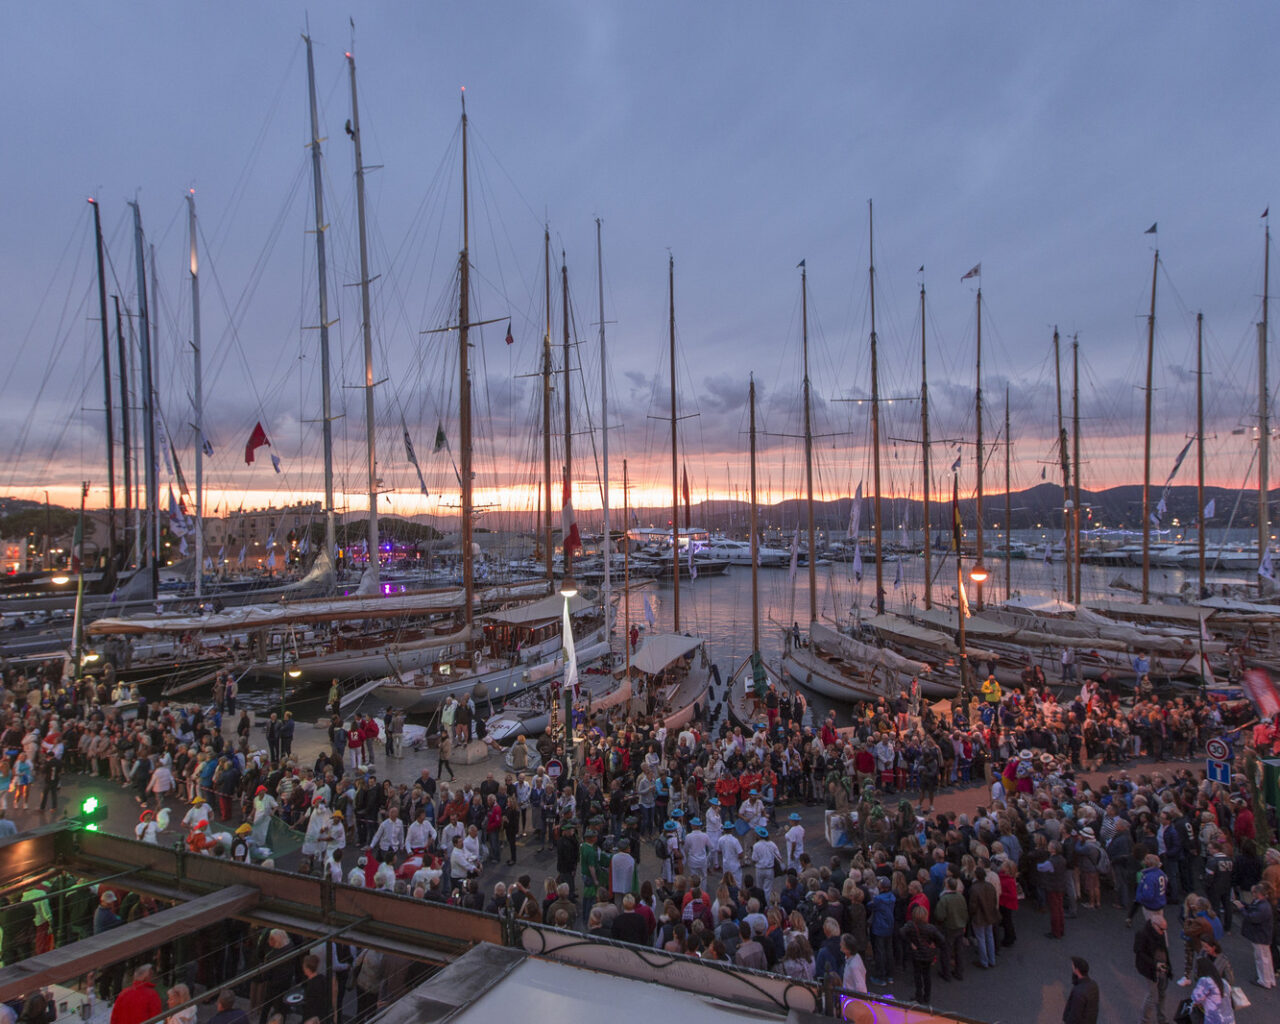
x=697, y=849
x=673, y=862
x=795, y=840
x=765, y=857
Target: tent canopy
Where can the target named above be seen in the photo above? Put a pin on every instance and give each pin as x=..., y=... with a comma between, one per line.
x=661, y=649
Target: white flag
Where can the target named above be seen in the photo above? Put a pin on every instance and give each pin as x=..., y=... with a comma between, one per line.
x=855, y=513
x=650, y=616
x=1208, y=509
x=1048, y=553
x=1266, y=570
x=271, y=560
x=570, y=653
x=857, y=562
x=795, y=557
x=693, y=566
x=275, y=462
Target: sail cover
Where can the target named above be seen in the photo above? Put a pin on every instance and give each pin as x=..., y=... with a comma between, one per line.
x=661, y=649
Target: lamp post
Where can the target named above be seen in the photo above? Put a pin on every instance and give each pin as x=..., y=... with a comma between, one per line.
x=979, y=575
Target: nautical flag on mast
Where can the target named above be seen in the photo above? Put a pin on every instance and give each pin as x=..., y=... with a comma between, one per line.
x=684, y=489
x=442, y=442
x=206, y=446
x=857, y=562
x=256, y=440
x=1151, y=230
x=975, y=272
x=795, y=557
x=510, y=339
x=650, y=613
x=1209, y=509
x=275, y=462
x=569, y=523
x=693, y=566
x=570, y=653
x=1048, y=554
x=1267, y=569
x=412, y=456
x=964, y=601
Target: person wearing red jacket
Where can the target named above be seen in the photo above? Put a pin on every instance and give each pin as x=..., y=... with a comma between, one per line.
x=355, y=741
x=139, y=1002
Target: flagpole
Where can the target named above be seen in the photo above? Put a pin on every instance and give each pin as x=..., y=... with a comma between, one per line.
x=875, y=406
x=924, y=452
x=548, y=547
x=1075, y=452
x=1264, y=403
x=808, y=446
x=106, y=382
x=1146, y=442
x=604, y=438
x=1064, y=462
x=626, y=571
x=675, y=500
x=568, y=419
x=77, y=552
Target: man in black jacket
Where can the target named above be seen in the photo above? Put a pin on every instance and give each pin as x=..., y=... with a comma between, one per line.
x=1151, y=958
x=1082, y=1000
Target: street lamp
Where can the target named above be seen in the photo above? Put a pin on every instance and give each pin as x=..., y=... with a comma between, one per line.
x=60, y=581
x=979, y=574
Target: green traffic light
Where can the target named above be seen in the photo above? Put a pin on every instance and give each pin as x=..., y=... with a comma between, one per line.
x=90, y=805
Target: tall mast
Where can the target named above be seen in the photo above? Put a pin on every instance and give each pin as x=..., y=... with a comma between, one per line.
x=978, y=460
x=1200, y=593
x=1146, y=440
x=568, y=416
x=546, y=411
x=148, y=408
x=464, y=382
x=198, y=396
x=1008, y=500
x=755, y=540
x=1064, y=460
x=626, y=570
x=126, y=433
x=875, y=408
x=367, y=330
x=155, y=405
x=924, y=451
x=1075, y=457
x=604, y=431
x=106, y=391
x=808, y=446
x=1264, y=412
x=322, y=275
x=675, y=483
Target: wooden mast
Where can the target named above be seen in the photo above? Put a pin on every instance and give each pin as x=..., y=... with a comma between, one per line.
x=1200, y=593
x=1264, y=412
x=322, y=286
x=366, y=323
x=978, y=461
x=464, y=384
x=126, y=430
x=808, y=446
x=1064, y=459
x=675, y=483
x=106, y=389
x=546, y=413
x=1146, y=439
x=626, y=570
x=875, y=408
x=1008, y=501
x=568, y=414
x=755, y=540
x=1075, y=457
x=924, y=455
x=198, y=395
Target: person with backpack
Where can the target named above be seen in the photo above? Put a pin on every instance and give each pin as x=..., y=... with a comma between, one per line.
x=922, y=941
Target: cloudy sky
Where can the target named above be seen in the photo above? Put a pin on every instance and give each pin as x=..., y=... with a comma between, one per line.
x=738, y=137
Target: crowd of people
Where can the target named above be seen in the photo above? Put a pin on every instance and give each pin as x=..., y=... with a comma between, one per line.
x=693, y=842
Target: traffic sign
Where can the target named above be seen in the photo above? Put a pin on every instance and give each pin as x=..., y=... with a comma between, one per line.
x=554, y=768
x=1219, y=771
x=1218, y=749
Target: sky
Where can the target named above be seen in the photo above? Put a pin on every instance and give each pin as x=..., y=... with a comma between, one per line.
x=736, y=138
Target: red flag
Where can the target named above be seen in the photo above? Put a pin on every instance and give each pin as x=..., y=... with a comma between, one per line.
x=256, y=440
x=569, y=523
x=684, y=487
x=1261, y=691
x=510, y=340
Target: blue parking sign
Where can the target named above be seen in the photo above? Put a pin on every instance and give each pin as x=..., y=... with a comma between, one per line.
x=1219, y=771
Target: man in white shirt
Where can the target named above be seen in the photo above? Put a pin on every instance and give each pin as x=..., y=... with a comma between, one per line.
x=421, y=834
x=795, y=841
x=731, y=855
x=764, y=854
x=389, y=839
x=752, y=810
x=622, y=871
x=461, y=862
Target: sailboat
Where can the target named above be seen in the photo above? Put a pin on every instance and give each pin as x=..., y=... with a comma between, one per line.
x=672, y=670
x=511, y=649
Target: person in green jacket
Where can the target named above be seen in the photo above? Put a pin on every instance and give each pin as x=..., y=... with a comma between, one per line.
x=952, y=916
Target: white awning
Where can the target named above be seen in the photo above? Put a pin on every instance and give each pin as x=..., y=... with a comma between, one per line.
x=660, y=649
x=544, y=610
